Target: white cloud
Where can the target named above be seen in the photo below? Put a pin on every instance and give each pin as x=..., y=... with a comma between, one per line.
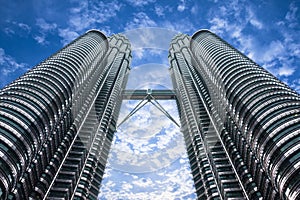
x=80, y=8
x=231, y=17
x=219, y=25
x=44, y=29
x=292, y=13
x=126, y=186
x=182, y=26
x=291, y=40
x=140, y=2
x=273, y=51
x=80, y=23
x=106, y=30
x=9, y=66
x=296, y=85
x=149, y=55
x=143, y=182
x=256, y=23
x=279, y=68
x=138, y=53
x=194, y=9
x=154, y=75
x=40, y=39
x=273, y=56
x=253, y=19
x=19, y=28
x=67, y=35
x=9, y=31
x=173, y=182
x=9, y=63
x=181, y=7
x=139, y=20
x=292, y=16
x=45, y=26
x=159, y=10
x=148, y=141
x=24, y=27
x=232, y=21
x=285, y=71
x=87, y=15
x=276, y=56
x=150, y=37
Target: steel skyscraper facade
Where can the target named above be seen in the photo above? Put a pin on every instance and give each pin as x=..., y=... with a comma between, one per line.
x=57, y=121
x=240, y=123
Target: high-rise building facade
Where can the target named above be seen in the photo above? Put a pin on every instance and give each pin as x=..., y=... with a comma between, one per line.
x=57, y=121
x=240, y=124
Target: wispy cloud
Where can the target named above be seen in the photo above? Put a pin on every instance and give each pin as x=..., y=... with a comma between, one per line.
x=232, y=22
x=163, y=10
x=281, y=56
x=296, y=85
x=183, y=25
x=9, y=31
x=24, y=27
x=140, y=19
x=89, y=13
x=140, y=3
x=181, y=6
x=155, y=38
x=67, y=35
x=232, y=19
x=172, y=182
x=285, y=71
x=150, y=45
x=138, y=53
x=194, y=9
x=41, y=39
x=144, y=75
x=19, y=28
x=148, y=141
x=253, y=20
x=143, y=20
x=159, y=10
x=44, y=28
x=9, y=66
x=291, y=15
x=274, y=50
x=86, y=15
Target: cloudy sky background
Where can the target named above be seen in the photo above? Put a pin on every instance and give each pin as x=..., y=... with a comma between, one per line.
x=147, y=159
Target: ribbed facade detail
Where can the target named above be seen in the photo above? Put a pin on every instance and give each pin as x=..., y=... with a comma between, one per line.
x=255, y=116
x=50, y=133
x=214, y=174
x=241, y=125
x=81, y=172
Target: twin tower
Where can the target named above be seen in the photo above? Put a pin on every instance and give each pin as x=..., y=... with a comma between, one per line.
x=241, y=125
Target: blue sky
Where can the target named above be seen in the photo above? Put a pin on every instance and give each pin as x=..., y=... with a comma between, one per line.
x=267, y=31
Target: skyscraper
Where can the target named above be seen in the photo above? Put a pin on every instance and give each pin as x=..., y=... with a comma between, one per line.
x=240, y=123
x=57, y=121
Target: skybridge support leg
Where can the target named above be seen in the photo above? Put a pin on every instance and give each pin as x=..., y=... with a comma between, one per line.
x=149, y=96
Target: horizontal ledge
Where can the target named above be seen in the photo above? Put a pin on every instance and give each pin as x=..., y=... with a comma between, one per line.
x=142, y=94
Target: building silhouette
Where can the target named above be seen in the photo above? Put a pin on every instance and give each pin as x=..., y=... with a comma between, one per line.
x=240, y=123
